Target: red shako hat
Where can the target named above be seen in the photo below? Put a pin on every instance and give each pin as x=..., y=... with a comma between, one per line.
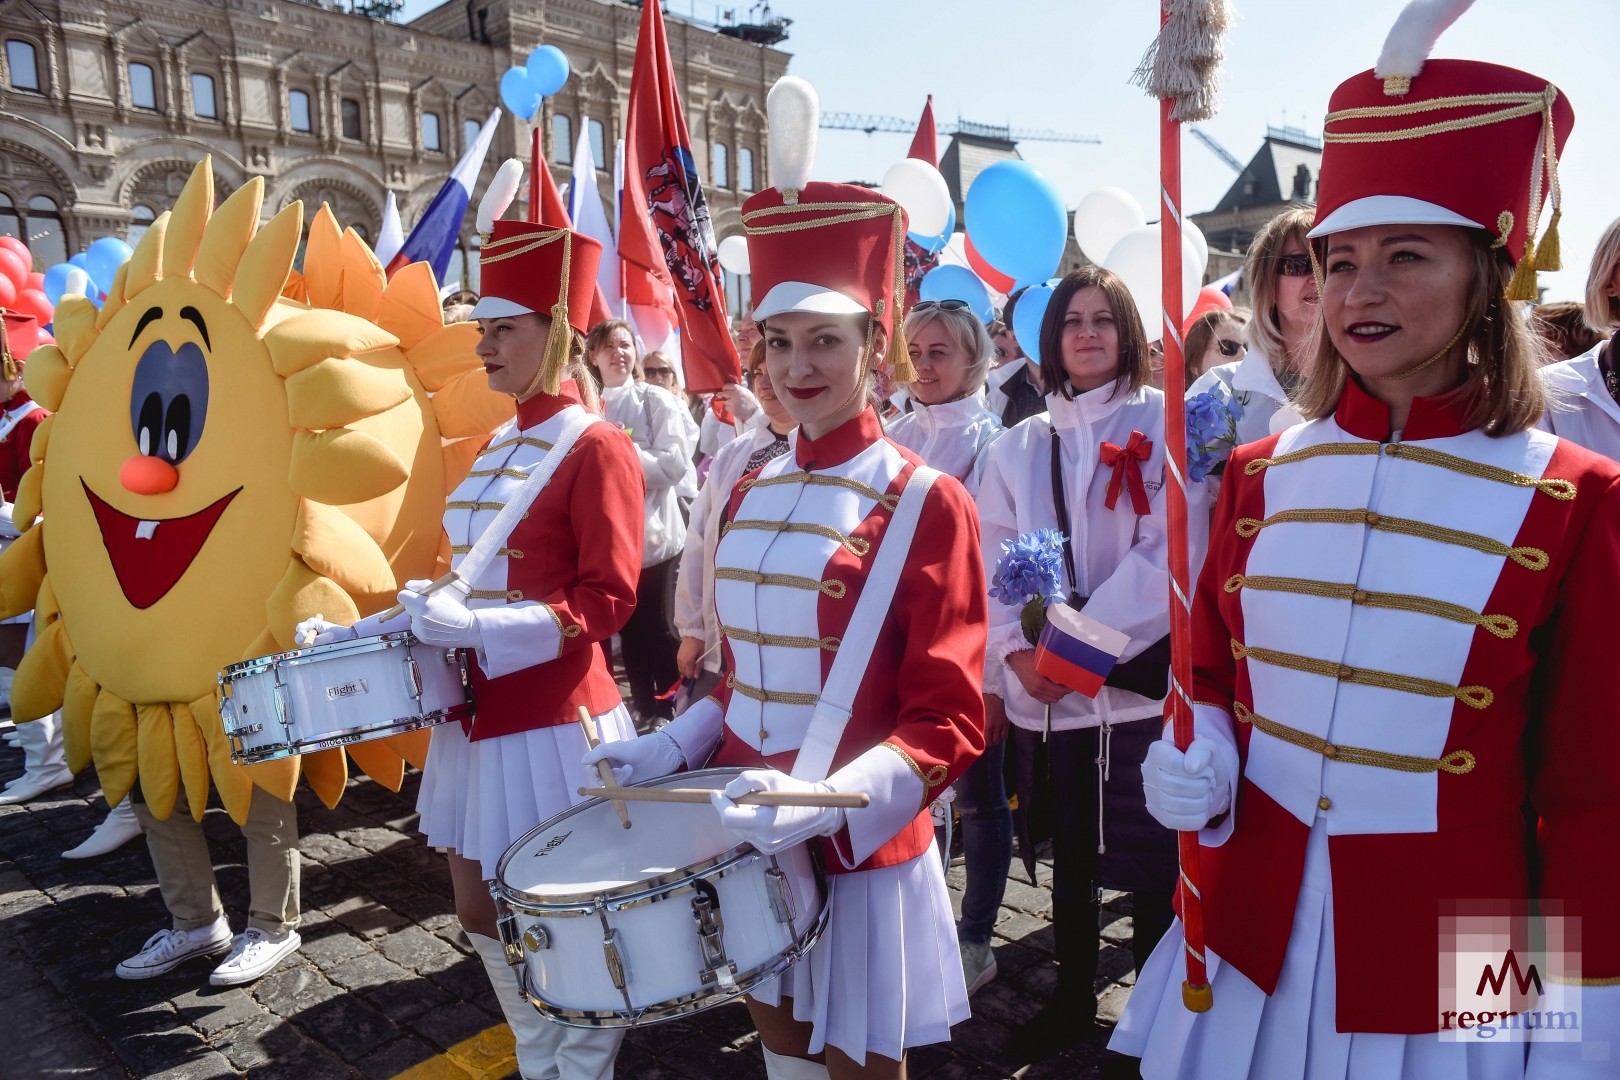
x=836, y=249
x=1445, y=142
x=22, y=335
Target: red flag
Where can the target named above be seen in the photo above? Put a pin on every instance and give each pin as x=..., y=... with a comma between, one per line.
x=546, y=207
x=665, y=237
x=925, y=144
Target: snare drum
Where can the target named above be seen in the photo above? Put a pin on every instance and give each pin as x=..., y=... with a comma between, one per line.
x=339, y=693
x=612, y=927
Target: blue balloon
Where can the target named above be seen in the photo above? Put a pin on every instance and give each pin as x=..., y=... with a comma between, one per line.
x=548, y=70
x=957, y=283
x=81, y=260
x=518, y=93
x=56, y=278
x=1017, y=220
x=1028, y=316
x=934, y=244
x=103, y=259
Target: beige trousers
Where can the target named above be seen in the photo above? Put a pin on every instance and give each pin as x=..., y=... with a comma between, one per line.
x=185, y=870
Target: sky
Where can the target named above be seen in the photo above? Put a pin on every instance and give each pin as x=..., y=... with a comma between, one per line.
x=1066, y=65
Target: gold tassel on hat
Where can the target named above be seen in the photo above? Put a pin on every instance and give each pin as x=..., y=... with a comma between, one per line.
x=1549, y=253
x=8, y=363
x=1522, y=286
x=899, y=354
x=559, y=340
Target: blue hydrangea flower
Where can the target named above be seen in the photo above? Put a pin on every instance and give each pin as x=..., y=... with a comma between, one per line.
x=1030, y=568
x=1212, y=420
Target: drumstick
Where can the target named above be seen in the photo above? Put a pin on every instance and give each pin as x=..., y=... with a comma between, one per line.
x=399, y=609
x=593, y=737
x=855, y=800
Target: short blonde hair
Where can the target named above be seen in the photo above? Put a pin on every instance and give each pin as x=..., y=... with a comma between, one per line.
x=1260, y=271
x=1603, y=310
x=968, y=332
x=1502, y=391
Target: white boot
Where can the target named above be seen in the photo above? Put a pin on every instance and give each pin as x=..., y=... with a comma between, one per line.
x=45, y=766
x=781, y=1067
x=538, y=1039
x=118, y=828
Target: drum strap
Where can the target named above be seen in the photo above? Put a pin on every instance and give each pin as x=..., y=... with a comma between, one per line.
x=500, y=530
x=832, y=709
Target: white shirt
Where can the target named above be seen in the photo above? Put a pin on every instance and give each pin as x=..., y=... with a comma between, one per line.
x=1580, y=407
x=657, y=423
x=951, y=437
x=1120, y=558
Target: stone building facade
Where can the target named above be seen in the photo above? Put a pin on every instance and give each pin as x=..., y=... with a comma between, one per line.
x=105, y=105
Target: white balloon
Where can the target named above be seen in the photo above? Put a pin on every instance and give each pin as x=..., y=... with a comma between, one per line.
x=921, y=190
x=1196, y=235
x=954, y=253
x=733, y=254
x=1136, y=260
x=77, y=284
x=1103, y=218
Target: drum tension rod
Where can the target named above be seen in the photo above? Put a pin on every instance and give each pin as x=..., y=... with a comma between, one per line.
x=711, y=936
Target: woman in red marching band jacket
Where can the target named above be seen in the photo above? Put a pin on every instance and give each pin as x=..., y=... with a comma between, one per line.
x=534, y=617
x=1407, y=759
x=801, y=573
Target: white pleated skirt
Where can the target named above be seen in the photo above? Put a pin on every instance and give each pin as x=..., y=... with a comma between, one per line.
x=478, y=798
x=1288, y=1035
x=886, y=975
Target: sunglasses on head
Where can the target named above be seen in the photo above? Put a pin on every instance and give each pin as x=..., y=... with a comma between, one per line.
x=1229, y=347
x=943, y=305
x=1294, y=265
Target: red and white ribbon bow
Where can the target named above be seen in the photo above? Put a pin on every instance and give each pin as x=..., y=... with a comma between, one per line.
x=1125, y=463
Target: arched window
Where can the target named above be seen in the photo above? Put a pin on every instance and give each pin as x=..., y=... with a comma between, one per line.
x=142, y=86
x=351, y=120
x=44, y=232
x=562, y=139
x=430, y=132
x=23, y=63
x=140, y=219
x=298, y=114
x=469, y=133
x=720, y=175
x=202, y=97
x=599, y=145
x=745, y=169
x=10, y=222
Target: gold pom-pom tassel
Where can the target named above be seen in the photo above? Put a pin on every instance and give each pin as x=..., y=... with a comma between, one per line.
x=900, y=361
x=899, y=355
x=557, y=343
x=1549, y=253
x=1522, y=286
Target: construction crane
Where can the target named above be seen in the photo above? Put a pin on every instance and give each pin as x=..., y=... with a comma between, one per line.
x=1216, y=148
x=841, y=121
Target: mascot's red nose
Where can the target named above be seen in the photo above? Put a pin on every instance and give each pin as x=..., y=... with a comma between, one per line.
x=146, y=475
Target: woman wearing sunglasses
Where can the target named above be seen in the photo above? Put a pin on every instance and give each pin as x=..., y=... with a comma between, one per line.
x=1213, y=339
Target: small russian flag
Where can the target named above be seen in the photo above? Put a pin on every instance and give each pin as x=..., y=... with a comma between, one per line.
x=1077, y=651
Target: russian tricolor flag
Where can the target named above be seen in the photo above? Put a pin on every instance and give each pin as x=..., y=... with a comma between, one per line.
x=434, y=238
x=1077, y=651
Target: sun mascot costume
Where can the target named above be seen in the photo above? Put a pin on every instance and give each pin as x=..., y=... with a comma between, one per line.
x=233, y=448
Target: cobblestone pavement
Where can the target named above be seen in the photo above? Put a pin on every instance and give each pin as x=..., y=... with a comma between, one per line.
x=385, y=985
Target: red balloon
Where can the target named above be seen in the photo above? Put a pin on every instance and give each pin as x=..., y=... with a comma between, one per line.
x=13, y=244
x=33, y=302
x=988, y=274
x=8, y=293
x=36, y=280
x=15, y=267
x=1209, y=299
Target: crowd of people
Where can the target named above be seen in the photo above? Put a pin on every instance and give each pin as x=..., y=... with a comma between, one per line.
x=1404, y=522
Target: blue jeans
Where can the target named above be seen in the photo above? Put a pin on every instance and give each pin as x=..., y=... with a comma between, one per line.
x=981, y=799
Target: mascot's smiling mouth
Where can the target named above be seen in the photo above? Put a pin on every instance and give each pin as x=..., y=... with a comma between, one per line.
x=148, y=557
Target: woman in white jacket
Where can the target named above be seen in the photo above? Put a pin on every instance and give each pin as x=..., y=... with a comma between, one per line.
x=1585, y=391
x=658, y=424
x=1103, y=417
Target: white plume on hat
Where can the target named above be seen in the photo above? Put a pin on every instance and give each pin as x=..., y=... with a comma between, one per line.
x=794, y=109
x=1412, y=38
x=499, y=195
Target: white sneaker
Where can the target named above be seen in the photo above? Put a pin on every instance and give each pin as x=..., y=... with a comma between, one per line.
x=168, y=949
x=254, y=954
x=118, y=828
x=978, y=965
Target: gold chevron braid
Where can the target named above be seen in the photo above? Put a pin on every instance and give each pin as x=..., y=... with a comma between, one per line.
x=1477, y=697
x=1562, y=490
x=781, y=641
x=1515, y=106
x=931, y=780
x=1456, y=763
x=854, y=544
x=472, y=504
x=1502, y=626
x=507, y=473
x=777, y=697
x=889, y=502
x=511, y=596
x=466, y=549
x=830, y=587
x=522, y=440
x=849, y=212
x=1531, y=558
x=486, y=257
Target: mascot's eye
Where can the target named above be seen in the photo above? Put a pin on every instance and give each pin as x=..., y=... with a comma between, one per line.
x=169, y=401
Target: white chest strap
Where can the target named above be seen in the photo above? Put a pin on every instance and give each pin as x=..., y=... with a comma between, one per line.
x=832, y=709
x=500, y=530
x=11, y=419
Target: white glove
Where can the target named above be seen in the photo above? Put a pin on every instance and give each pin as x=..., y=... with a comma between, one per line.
x=441, y=618
x=315, y=630
x=1184, y=791
x=646, y=757
x=773, y=828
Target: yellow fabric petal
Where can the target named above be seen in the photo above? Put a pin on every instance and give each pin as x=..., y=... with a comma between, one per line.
x=29, y=503
x=41, y=440
x=266, y=263
x=145, y=267
x=77, y=706
x=113, y=745
x=73, y=324
x=191, y=753
x=412, y=746
x=458, y=459
x=334, y=545
x=327, y=772
x=323, y=259
x=47, y=373
x=115, y=298
x=343, y=466
x=363, y=277
x=42, y=675
x=465, y=407
x=187, y=220
x=305, y=339
x=336, y=392
x=410, y=307
x=235, y=789
x=302, y=593
x=227, y=236
x=159, y=768
x=22, y=570
x=278, y=777
x=446, y=353
x=380, y=761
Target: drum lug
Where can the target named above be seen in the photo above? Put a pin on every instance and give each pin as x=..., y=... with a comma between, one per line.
x=413, y=678
x=711, y=936
x=615, y=962
x=506, y=925
x=780, y=892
